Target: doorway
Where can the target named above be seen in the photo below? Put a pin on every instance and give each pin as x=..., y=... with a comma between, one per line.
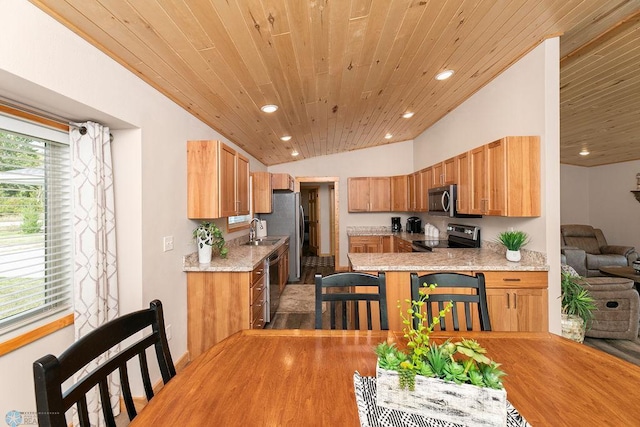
x=320, y=197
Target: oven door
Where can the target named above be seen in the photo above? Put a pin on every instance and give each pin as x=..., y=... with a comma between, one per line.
x=442, y=201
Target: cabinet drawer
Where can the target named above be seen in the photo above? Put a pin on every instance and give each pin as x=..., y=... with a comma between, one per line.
x=257, y=274
x=256, y=291
x=257, y=312
x=514, y=279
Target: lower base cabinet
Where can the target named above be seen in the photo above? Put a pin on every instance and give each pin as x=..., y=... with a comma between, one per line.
x=517, y=300
x=220, y=304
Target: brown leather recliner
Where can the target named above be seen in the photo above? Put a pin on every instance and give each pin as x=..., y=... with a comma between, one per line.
x=586, y=250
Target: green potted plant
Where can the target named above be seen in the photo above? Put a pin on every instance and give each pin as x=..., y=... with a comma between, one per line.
x=419, y=378
x=513, y=240
x=209, y=236
x=577, y=307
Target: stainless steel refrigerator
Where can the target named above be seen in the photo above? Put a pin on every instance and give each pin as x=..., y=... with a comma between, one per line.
x=287, y=219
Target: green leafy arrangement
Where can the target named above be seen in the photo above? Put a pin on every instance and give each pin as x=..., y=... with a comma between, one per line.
x=207, y=233
x=576, y=300
x=513, y=240
x=462, y=362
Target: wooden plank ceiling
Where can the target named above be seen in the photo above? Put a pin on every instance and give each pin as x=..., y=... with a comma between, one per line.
x=343, y=72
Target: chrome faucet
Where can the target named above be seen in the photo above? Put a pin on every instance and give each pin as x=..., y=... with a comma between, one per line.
x=252, y=229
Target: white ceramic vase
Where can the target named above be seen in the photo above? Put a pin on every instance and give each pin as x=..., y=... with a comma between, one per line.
x=204, y=252
x=513, y=255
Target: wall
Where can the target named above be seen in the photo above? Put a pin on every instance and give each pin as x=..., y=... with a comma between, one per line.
x=523, y=100
x=600, y=196
x=46, y=66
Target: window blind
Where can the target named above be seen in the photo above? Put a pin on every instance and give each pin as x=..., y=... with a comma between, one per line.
x=36, y=236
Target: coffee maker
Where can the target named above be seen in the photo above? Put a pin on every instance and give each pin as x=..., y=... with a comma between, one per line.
x=395, y=224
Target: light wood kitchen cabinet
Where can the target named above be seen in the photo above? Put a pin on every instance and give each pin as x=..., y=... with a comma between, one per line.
x=463, y=180
x=217, y=181
x=425, y=178
x=220, y=304
x=402, y=246
x=365, y=244
x=518, y=301
x=369, y=194
x=400, y=193
x=262, y=192
x=387, y=244
x=505, y=177
x=283, y=266
x=444, y=173
x=282, y=181
x=414, y=184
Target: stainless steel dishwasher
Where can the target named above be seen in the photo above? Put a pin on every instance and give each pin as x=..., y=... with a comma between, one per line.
x=273, y=287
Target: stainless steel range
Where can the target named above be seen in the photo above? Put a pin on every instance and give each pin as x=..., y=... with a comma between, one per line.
x=459, y=236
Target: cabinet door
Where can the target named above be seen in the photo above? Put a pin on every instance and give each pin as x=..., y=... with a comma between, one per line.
x=478, y=183
x=496, y=188
x=379, y=194
x=530, y=310
x=203, y=189
x=358, y=196
x=413, y=191
x=449, y=171
x=463, y=179
x=499, y=302
x=262, y=192
x=523, y=176
x=227, y=176
x=399, y=193
x=242, y=185
x=438, y=175
x=365, y=244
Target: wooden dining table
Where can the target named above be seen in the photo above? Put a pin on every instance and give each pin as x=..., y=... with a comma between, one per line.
x=305, y=378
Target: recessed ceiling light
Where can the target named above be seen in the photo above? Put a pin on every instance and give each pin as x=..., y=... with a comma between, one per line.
x=294, y=153
x=584, y=152
x=269, y=108
x=388, y=136
x=285, y=137
x=408, y=114
x=444, y=75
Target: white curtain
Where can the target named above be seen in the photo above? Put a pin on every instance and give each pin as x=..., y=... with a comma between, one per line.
x=95, y=279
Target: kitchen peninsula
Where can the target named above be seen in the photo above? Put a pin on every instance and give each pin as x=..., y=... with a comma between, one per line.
x=233, y=293
x=516, y=291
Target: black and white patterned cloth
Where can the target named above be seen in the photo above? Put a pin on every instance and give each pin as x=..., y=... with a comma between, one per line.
x=372, y=415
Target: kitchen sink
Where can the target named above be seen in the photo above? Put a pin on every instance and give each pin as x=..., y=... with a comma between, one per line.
x=262, y=242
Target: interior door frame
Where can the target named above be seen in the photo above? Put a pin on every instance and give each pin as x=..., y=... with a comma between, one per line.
x=336, y=208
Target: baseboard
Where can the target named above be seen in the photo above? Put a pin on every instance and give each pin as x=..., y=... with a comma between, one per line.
x=141, y=402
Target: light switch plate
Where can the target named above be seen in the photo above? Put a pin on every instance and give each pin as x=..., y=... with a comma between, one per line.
x=167, y=243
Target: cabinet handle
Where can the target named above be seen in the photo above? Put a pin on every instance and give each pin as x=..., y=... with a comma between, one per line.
x=508, y=300
x=515, y=301
x=510, y=279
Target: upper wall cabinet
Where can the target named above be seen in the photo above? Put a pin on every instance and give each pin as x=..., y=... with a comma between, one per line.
x=217, y=181
x=505, y=178
x=282, y=181
x=262, y=192
x=444, y=173
x=369, y=194
x=400, y=193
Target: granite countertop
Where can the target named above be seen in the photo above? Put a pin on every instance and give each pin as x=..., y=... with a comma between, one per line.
x=386, y=231
x=442, y=260
x=240, y=257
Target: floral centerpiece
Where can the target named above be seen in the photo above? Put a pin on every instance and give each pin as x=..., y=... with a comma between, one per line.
x=452, y=381
x=209, y=236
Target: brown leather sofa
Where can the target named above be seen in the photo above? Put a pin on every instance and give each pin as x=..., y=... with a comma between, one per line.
x=586, y=250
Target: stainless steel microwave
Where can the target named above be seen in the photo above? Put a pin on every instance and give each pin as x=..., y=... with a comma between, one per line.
x=442, y=200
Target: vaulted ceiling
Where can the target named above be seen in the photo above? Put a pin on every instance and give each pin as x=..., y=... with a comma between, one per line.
x=343, y=72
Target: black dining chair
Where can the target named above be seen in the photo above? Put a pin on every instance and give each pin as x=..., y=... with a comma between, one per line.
x=473, y=301
x=344, y=292
x=51, y=372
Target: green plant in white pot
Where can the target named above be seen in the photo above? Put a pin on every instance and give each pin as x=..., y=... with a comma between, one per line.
x=208, y=237
x=577, y=307
x=513, y=240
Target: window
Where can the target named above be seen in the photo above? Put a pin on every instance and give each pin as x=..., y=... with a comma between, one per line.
x=35, y=222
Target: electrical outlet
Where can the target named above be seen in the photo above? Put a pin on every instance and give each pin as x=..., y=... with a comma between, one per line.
x=167, y=243
x=168, y=332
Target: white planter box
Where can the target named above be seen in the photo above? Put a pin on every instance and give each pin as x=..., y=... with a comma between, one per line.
x=442, y=400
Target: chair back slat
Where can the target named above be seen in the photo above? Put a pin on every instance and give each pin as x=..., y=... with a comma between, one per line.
x=472, y=303
x=345, y=292
x=51, y=372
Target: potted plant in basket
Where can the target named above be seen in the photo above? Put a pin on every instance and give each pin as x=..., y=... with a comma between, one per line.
x=209, y=236
x=513, y=240
x=577, y=307
x=427, y=377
